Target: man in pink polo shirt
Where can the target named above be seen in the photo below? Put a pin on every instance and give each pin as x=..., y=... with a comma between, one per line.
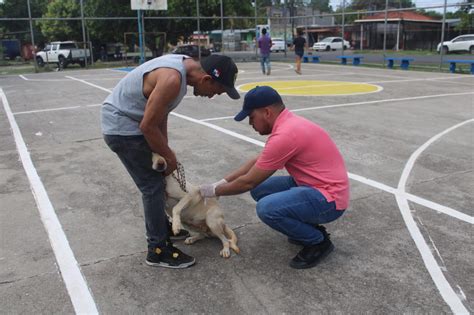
x=317, y=190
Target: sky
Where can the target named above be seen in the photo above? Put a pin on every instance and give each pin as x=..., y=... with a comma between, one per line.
x=418, y=3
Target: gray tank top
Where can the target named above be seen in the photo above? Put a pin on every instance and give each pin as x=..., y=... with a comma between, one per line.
x=123, y=109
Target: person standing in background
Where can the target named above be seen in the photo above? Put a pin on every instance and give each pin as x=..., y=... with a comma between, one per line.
x=299, y=44
x=265, y=43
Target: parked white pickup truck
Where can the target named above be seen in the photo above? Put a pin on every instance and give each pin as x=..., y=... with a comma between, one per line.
x=62, y=53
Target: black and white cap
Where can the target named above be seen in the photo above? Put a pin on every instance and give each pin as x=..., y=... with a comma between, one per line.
x=223, y=70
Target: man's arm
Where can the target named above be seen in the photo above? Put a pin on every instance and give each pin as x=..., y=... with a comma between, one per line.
x=245, y=182
x=164, y=129
x=154, y=122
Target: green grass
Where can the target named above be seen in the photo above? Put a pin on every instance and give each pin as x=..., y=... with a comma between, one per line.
x=17, y=68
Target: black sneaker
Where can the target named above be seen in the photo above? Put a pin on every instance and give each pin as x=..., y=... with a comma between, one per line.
x=311, y=255
x=169, y=257
x=321, y=228
x=183, y=234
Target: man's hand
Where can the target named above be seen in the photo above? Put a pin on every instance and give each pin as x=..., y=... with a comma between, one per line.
x=172, y=164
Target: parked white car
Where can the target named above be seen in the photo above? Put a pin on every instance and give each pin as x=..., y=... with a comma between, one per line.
x=460, y=43
x=278, y=44
x=331, y=43
x=62, y=53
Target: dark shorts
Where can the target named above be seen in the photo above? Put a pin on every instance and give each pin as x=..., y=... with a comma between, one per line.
x=299, y=53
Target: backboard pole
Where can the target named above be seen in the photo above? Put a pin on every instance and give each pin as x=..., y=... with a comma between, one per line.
x=198, y=29
x=222, y=28
x=140, y=36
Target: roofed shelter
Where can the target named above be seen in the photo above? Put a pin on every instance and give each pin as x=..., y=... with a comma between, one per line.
x=405, y=30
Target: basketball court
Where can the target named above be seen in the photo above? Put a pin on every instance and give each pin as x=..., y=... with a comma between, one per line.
x=72, y=222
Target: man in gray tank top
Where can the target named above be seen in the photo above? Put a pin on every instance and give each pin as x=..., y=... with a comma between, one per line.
x=134, y=124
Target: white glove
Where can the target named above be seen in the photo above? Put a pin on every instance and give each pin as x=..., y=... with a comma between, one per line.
x=222, y=181
x=209, y=190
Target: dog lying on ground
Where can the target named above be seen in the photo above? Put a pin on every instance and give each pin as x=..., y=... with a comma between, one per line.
x=202, y=218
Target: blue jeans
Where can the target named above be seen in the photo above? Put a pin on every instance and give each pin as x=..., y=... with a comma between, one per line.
x=265, y=61
x=135, y=154
x=293, y=210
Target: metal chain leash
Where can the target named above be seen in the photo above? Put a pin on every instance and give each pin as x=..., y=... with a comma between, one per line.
x=179, y=176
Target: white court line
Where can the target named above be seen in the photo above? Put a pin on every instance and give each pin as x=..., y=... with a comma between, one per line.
x=446, y=210
x=357, y=103
x=447, y=292
x=383, y=101
x=74, y=280
x=45, y=110
x=421, y=201
x=102, y=88
x=40, y=80
x=91, y=84
x=55, y=109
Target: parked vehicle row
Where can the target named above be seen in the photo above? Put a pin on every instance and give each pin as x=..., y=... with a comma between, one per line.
x=67, y=52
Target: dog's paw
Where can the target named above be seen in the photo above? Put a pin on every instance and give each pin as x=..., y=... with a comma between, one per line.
x=190, y=240
x=176, y=226
x=225, y=252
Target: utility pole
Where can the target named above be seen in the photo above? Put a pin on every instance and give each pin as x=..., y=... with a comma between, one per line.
x=198, y=29
x=84, y=34
x=442, y=38
x=343, y=22
x=32, y=38
x=385, y=32
x=256, y=35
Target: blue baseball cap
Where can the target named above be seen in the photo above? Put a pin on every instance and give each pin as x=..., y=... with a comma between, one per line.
x=258, y=97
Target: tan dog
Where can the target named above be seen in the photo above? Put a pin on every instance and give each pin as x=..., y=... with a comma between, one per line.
x=202, y=218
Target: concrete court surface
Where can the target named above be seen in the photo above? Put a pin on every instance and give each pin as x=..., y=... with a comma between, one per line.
x=403, y=246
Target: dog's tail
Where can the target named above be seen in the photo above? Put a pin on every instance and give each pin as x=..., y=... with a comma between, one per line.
x=232, y=238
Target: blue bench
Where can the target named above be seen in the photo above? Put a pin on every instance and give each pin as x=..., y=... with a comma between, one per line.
x=404, y=62
x=452, y=64
x=314, y=59
x=355, y=59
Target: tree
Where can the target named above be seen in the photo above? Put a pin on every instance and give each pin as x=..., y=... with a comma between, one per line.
x=62, y=29
x=321, y=5
x=107, y=31
x=372, y=5
x=19, y=9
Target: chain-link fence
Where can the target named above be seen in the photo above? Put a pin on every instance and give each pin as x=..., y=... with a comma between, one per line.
x=37, y=33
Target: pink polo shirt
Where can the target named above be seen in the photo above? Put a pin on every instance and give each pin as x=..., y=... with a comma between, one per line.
x=309, y=155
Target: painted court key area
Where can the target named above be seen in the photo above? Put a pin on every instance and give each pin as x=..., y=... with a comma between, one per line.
x=315, y=87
